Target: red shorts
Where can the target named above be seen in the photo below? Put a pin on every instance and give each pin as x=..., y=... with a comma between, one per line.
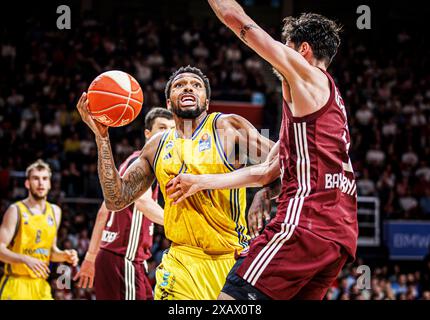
x=303, y=267
x=119, y=279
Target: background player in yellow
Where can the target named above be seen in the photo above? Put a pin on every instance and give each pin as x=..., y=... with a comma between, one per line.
x=28, y=240
x=208, y=228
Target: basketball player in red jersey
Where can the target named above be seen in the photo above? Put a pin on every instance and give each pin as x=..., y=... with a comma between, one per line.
x=314, y=232
x=125, y=237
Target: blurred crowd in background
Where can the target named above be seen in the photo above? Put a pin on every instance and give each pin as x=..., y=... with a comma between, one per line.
x=386, y=89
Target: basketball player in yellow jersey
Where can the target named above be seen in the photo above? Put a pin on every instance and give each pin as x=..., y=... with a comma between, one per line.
x=28, y=240
x=208, y=228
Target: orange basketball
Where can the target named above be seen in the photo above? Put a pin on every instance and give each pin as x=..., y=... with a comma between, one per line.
x=114, y=98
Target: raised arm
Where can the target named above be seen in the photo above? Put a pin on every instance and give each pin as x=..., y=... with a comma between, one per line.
x=119, y=192
x=286, y=60
x=306, y=87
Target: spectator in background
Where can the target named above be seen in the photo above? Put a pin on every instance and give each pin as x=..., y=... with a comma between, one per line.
x=365, y=185
x=425, y=202
x=52, y=129
x=375, y=156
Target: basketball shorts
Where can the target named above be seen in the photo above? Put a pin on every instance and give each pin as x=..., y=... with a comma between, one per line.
x=24, y=288
x=301, y=268
x=117, y=278
x=187, y=273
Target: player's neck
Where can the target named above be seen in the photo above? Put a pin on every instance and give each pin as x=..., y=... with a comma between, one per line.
x=186, y=127
x=319, y=64
x=35, y=203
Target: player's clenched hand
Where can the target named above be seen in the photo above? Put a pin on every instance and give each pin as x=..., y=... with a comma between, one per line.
x=99, y=129
x=71, y=256
x=86, y=274
x=259, y=210
x=39, y=267
x=182, y=186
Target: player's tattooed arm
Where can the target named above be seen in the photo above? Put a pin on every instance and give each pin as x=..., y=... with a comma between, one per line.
x=120, y=192
x=245, y=28
x=225, y=9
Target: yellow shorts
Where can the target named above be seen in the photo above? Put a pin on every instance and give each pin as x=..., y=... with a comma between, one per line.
x=24, y=288
x=187, y=273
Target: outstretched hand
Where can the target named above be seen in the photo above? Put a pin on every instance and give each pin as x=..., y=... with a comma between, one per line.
x=182, y=187
x=85, y=276
x=98, y=128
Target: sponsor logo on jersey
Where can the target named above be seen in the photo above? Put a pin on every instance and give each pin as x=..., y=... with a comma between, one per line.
x=41, y=251
x=165, y=279
x=38, y=236
x=50, y=221
x=339, y=181
x=109, y=236
x=169, y=145
x=25, y=217
x=205, y=142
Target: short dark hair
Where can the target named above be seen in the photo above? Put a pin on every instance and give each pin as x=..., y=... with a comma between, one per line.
x=321, y=33
x=188, y=69
x=155, y=113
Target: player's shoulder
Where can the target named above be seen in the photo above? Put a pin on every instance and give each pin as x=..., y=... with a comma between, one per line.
x=231, y=120
x=150, y=149
x=155, y=140
x=56, y=208
x=12, y=209
x=11, y=214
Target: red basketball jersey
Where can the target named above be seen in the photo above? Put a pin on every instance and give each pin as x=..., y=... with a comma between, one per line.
x=128, y=232
x=318, y=184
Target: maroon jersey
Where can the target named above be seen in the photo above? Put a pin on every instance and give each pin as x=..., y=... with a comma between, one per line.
x=128, y=232
x=318, y=184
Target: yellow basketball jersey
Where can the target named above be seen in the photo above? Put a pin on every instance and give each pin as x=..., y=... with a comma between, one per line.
x=213, y=220
x=34, y=237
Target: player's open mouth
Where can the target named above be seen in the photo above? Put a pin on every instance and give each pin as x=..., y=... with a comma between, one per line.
x=188, y=100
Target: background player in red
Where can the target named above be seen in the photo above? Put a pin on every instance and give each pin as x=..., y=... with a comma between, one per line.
x=314, y=232
x=125, y=237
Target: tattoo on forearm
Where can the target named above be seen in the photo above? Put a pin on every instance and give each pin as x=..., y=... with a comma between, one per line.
x=134, y=185
x=245, y=29
x=117, y=192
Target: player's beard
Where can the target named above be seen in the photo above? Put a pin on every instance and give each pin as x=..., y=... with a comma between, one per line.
x=188, y=113
x=37, y=196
